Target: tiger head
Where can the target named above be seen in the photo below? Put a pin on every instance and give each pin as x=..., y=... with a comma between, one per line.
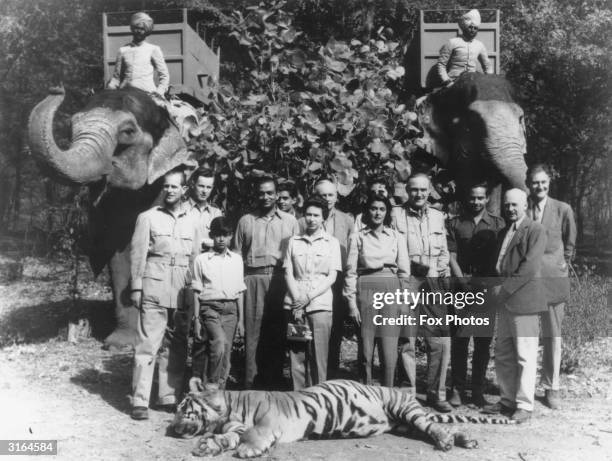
x=201, y=411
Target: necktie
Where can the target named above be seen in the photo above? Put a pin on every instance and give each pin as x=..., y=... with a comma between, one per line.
x=537, y=213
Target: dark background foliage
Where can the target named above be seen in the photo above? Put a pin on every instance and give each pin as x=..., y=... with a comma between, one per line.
x=311, y=88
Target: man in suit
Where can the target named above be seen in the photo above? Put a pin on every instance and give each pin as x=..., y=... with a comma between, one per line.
x=558, y=220
x=520, y=299
x=340, y=225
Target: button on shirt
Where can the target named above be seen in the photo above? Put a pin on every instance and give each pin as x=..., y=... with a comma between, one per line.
x=162, y=252
x=425, y=233
x=310, y=259
x=261, y=240
x=135, y=66
x=204, y=213
x=475, y=243
x=373, y=250
x=507, y=239
x=218, y=276
x=458, y=56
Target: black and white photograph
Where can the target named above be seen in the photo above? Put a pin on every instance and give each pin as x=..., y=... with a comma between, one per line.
x=306, y=230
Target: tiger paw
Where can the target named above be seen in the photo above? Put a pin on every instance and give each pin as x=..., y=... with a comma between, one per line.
x=462, y=440
x=208, y=445
x=444, y=440
x=245, y=450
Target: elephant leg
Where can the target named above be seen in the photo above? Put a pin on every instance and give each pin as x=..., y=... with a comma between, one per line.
x=125, y=333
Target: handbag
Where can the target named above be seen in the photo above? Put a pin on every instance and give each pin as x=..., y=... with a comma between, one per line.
x=299, y=332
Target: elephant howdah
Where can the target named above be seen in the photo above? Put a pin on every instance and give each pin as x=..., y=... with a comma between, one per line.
x=122, y=142
x=477, y=130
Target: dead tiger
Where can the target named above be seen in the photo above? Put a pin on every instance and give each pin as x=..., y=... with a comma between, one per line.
x=254, y=421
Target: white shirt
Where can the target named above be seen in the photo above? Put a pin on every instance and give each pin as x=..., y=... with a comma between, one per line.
x=135, y=66
x=218, y=276
x=506, y=242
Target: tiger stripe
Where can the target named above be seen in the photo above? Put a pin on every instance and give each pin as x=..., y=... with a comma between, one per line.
x=253, y=421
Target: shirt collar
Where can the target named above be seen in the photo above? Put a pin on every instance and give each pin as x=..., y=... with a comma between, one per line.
x=418, y=213
x=542, y=204
x=514, y=227
x=486, y=218
x=194, y=204
x=182, y=210
x=276, y=213
x=320, y=234
x=369, y=230
x=212, y=253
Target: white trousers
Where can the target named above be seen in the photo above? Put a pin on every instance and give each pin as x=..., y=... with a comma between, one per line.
x=516, y=358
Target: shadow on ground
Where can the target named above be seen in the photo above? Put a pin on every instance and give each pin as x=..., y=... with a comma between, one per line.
x=41, y=322
x=111, y=382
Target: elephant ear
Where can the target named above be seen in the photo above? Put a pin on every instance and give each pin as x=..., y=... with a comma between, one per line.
x=169, y=153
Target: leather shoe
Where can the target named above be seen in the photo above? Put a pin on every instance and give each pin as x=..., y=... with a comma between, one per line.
x=497, y=409
x=441, y=406
x=479, y=401
x=457, y=398
x=551, y=399
x=168, y=408
x=521, y=416
x=140, y=413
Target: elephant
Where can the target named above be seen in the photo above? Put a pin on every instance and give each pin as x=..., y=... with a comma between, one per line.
x=122, y=142
x=477, y=130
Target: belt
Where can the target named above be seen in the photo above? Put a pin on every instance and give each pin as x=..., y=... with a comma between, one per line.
x=179, y=260
x=265, y=270
x=387, y=268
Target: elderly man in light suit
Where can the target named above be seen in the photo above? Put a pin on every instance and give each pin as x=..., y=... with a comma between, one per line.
x=521, y=298
x=558, y=220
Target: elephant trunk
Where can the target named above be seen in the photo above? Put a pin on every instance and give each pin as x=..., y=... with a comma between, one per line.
x=88, y=159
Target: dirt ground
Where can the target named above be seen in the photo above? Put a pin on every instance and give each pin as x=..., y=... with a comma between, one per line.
x=78, y=394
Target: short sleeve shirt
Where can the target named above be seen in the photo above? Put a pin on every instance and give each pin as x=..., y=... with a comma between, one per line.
x=475, y=244
x=311, y=259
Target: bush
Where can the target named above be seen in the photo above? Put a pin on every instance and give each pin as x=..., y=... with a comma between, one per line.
x=306, y=111
x=586, y=315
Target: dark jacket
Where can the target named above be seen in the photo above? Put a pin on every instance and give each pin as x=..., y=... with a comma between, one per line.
x=521, y=267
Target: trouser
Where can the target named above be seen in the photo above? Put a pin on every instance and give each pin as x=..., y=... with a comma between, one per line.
x=480, y=361
x=516, y=357
x=438, y=358
x=309, y=359
x=265, y=330
x=163, y=331
x=337, y=329
x=212, y=354
x=437, y=343
x=551, y=340
x=387, y=354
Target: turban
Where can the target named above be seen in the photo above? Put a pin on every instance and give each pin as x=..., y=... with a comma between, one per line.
x=470, y=18
x=142, y=19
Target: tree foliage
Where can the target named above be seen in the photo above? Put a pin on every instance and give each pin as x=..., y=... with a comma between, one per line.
x=305, y=110
x=560, y=59
x=312, y=88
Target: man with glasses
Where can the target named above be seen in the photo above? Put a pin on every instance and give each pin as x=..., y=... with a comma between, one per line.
x=460, y=54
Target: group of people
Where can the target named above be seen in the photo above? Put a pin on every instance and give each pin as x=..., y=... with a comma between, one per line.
x=318, y=266
x=312, y=268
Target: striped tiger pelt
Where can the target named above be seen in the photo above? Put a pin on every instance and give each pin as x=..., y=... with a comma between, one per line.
x=253, y=421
